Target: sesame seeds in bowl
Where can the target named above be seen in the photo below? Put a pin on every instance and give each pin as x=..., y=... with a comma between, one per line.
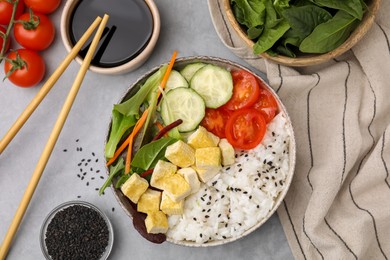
x=241, y=196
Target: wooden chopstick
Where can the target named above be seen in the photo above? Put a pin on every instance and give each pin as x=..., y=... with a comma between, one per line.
x=51, y=142
x=47, y=86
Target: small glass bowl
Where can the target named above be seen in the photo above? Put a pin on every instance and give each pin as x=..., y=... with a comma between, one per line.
x=62, y=206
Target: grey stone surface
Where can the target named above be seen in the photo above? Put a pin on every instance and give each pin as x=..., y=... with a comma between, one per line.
x=186, y=27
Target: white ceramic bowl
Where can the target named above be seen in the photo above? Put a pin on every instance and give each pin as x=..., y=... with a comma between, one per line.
x=230, y=65
x=121, y=69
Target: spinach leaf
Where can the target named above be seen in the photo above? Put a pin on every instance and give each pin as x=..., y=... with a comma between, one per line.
x=271, y=17
x=304, y=19
x=281, y=5
x=122, y=180
x=328, y=36
x=114, y=170
x=353, y=7
x=132, y=105
x=148, y=155
x=285, y=50
x=250, y=13
x=255, y=32
x=270, y=35
x=120, y=124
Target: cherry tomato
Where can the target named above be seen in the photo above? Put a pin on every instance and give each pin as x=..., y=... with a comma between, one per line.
x=6, y=9
x=245, y=128
x=266, y=104
x=215, y=121
x=36, y=39
x=2, y=29
x=29, y=67
x=245, y=90
x=43, y=6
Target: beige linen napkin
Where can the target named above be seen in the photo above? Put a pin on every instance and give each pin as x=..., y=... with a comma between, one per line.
x=338, y=206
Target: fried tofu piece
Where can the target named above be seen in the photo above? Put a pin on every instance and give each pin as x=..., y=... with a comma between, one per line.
x=180, y=154
x=161, y=170
x=207, y=174
x=156, y=222
x=176, y=187
x=149, y=201
x=208, y=157
x=189, y=174
x=134, y=187
x=170, y=207
x=227, y=152
x=202, y=138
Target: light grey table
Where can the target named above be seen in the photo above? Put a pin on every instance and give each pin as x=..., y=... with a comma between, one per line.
x=186, y=27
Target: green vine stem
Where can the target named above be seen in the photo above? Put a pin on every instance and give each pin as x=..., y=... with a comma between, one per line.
x=9, y=28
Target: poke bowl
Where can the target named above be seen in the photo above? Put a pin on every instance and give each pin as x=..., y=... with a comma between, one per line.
x=205, y=169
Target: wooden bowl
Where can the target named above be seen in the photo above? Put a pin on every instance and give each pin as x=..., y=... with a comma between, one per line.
x=311, y=59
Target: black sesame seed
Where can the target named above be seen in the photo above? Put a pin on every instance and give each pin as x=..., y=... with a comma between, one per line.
x=203, y=210
x=256, y=179
x=97, y=171
x=81, y=169
x=82, y=177
x=246, y=155
x=92, y=178
x=273, y=133
x=88, y=160
x=214, y=182
x=258, y=206
x=208, y=210
x=240, y=224
x=96, y=160
x=81, y=149
x=219, y=215
x=96, y=188
x=245, y=192
x=85, y=164
x=223, y=196
x=64, y=150
x=113, y=209
x=194, y=219
x=202, y=198
x=210, y=197
x=87, y=183
x=78, y=196
x=239, y=165
x=273, y=177
x=207, y=216
x=265, y=161
x=204, y=195
x=77, y=140
x=91, y=169
x=82, y=160
x=209, y=203
x=79, y=164
x=78, y=175
x=250, y=197
x=240, y=170
x=101, y=177
x=93, y=154
x=273, y=152
x=85, y=173
x=224, y=237
x=200, y=235
x=226, y=225
x=228, y=168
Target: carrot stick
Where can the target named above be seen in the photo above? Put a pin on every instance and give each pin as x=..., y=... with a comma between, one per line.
x=159, y=125
x=128, y=155
x=168, y=72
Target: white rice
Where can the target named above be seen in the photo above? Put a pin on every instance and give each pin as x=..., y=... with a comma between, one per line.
x=241, y=195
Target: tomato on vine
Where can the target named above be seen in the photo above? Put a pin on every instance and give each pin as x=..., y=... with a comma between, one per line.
x=24, y=68
x=6, y=9
x=43, y=6
x=34, y=31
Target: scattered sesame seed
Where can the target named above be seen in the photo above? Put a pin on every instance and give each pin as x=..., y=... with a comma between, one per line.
x=93, y=154
x=64, y=150
x=113, y=209
x=87, y=183
x=78, y=196
x=77, y=140
x=207, y=216
x=194, y=219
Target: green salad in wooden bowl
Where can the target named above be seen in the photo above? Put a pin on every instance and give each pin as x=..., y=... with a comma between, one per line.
x=301, y=32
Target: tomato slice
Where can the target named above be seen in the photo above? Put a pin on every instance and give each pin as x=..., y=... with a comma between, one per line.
x=215, y=121
x=266, y=104
x=245, y=128
x=245, y=90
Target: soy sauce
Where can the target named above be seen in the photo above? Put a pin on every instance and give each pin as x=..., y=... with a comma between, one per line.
x=127, y=33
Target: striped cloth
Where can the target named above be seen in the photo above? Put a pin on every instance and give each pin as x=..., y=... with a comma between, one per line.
x=338, y=206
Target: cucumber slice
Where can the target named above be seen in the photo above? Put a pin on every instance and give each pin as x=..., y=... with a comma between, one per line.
x=190, y=70
x=214, y=84
x=175, y=80
x=185, y=104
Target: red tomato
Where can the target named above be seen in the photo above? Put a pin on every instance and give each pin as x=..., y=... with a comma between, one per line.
x=29, y=67
x=36, y=39
x=266, y=104
x=245, y=90
x=6, y=9
x=43, y=6
x=245, y=128
x=215, y=121
x=2, y=29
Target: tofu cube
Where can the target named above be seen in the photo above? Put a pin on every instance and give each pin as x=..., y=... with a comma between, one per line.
x=202, y=138
x=149, y=201
x=162, y=170
x=207, y=174
x=189, y=174
x=156, y=222
x=227, y=152
x=208, y=157
x=170, y=207
x=180, y=154
x=134, y=187
x=176, y=187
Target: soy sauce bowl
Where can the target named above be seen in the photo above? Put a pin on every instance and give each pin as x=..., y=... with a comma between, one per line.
x=66, y=205
x=114, y=55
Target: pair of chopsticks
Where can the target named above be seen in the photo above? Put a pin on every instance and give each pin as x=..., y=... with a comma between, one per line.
x=58, y=125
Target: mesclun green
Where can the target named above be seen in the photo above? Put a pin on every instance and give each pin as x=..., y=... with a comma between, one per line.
x=290, y=27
